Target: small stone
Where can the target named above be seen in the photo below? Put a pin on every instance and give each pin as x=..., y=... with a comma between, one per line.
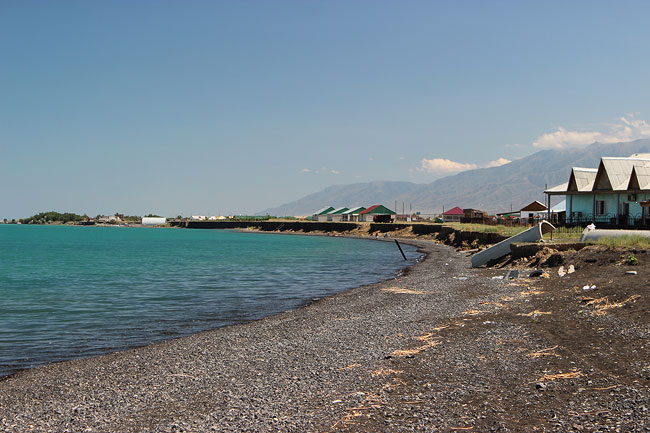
x=540, y=385
x=630, y=273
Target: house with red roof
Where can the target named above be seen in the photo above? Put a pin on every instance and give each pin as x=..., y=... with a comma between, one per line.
x=377, y=213
x=453, y=215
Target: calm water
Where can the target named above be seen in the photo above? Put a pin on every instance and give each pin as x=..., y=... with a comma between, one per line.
x=69, y=292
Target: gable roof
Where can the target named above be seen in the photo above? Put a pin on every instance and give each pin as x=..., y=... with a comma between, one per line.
x=324, y=210
x=614, y=172
x=337, y=211
x=377, y=210
x=533, y=207
x=454, y=211
x=582, y=179
x=640, y=178
x=354, y=210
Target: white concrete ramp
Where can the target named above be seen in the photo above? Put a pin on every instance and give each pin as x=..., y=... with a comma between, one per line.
x=501, y=249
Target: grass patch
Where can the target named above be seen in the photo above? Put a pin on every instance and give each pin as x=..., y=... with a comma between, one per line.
x=559, y=234
x=484, y=228
x=625, y=241
x=565, y=233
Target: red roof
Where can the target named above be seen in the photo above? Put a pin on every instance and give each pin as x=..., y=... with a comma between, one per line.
x=371, y=208
x=454, y=211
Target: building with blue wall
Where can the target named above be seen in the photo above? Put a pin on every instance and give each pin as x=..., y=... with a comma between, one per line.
x=616, y=193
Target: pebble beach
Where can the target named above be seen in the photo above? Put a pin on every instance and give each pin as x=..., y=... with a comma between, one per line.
x=442, y=347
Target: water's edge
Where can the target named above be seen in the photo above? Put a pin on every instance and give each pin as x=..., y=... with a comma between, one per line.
x=418, y=244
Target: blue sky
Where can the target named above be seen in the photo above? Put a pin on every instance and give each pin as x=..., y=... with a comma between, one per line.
x=218, y=107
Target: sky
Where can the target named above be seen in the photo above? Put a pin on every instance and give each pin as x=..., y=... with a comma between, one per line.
x=231, y=107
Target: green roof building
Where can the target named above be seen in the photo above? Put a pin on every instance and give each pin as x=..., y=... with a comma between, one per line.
x=321, y=215
x=377, y=213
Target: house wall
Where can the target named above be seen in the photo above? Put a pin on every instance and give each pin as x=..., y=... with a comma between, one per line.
x=371, y=217
x=581, y=205
x=584, y=203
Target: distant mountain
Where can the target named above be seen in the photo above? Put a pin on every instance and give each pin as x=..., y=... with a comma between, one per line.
x=493, y=189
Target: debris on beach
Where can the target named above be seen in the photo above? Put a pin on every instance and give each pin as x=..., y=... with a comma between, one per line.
x=602, y=305
x=385, y=371
x=559, y=376
x=544, y=352
x=403, y=291
x=535, y=313
x=502, y=249
x=348, y=367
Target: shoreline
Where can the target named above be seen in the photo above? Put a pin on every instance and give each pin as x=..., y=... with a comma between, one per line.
x=442, y=348
x=401, y=268
x=53, y=372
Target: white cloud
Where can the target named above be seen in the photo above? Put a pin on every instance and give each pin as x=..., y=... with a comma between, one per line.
x=626, y=129
x=401, y=157
x=322, y=170
x=441, y=165
x=497, y=163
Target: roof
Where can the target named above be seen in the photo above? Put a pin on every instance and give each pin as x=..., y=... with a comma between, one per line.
x=533, y=207
x=337, y=211
x=377, y=210
x=354, y=210
x=582, y=179
x=324, y=210
x=614, y=172
x=560, y=207
x=557, y=189
x=454, y=211
x=640, y=178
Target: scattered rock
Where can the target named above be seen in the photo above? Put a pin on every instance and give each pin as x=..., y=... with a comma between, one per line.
x=553, y=260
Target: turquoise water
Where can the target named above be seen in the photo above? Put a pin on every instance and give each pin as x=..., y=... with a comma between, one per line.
x=69, y=292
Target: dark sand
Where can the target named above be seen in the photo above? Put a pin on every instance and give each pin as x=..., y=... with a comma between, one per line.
x=444, y=348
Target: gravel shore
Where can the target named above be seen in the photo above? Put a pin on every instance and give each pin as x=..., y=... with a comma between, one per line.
x=441, y=348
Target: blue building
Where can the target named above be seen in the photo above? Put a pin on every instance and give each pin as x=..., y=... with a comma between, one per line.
x=614, y=194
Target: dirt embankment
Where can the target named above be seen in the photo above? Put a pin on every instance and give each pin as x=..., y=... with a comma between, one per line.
x=462, y=240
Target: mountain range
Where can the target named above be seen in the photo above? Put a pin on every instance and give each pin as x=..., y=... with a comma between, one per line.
x=495, y=189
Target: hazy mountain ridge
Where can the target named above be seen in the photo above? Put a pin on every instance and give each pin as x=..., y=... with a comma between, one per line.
x=492, y=189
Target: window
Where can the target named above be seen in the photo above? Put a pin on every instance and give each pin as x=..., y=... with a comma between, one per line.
x=600, y=207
